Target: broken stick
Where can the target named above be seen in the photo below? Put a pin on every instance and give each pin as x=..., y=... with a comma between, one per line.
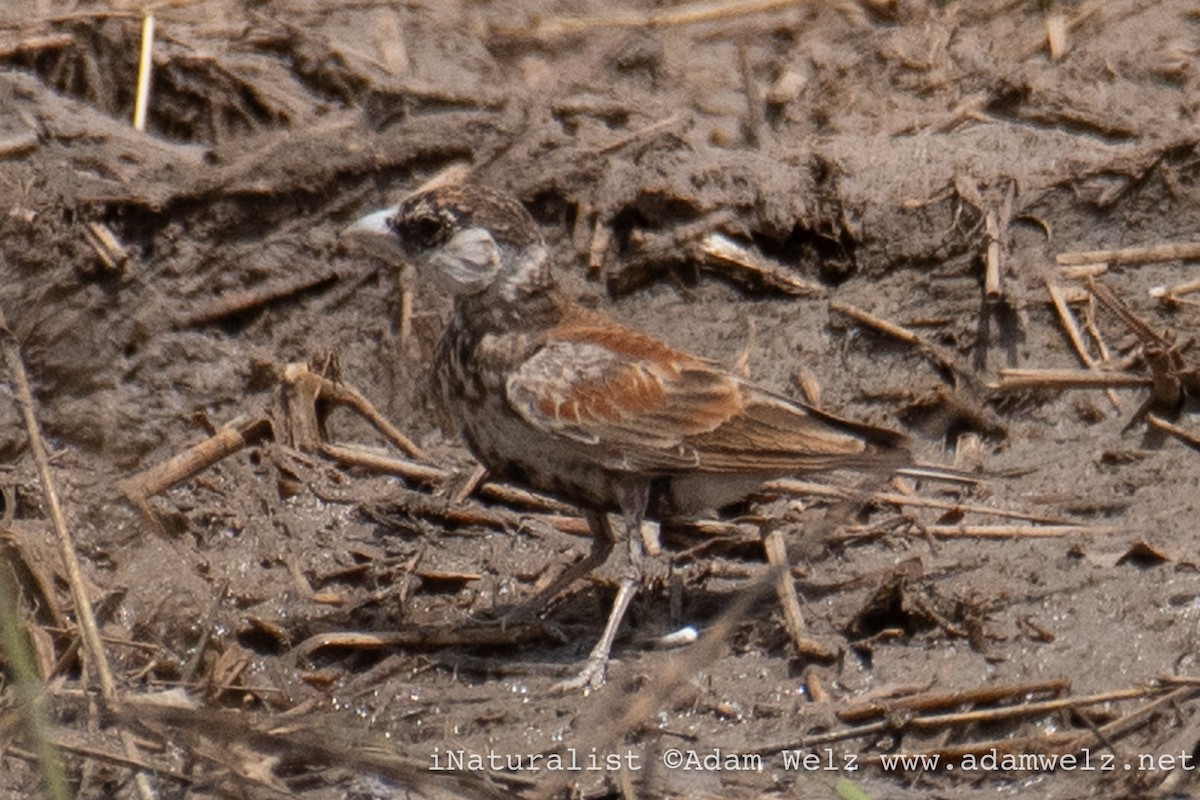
x=231, y=303
x=195, y=459
x=1067, y=379
x=1180, y=251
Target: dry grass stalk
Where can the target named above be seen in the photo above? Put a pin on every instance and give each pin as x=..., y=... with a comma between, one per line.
x=1068, y=379
x=1171, y=295
x=424, y=473
x=598, y=248
x=692, y=13
x=984, y=716
x=1056, y=35
x=1083, y=271
x=1151, y=254
x=1118, y=727
x=86, y=617
x=109, y=249
x=228, y=440
x=930, y=701
x=1071, y=326
x=231, y=303
x=1182, y=434
x=305, y=387
x=789, y=601
x=720, y=250
x=145, y=65
x=987, y=531
x=641, y=133
x=793, y=486
x=992, y=289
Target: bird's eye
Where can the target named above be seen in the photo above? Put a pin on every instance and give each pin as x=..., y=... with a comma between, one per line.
x=424, y=232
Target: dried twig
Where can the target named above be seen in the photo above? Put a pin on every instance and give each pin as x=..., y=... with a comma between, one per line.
x=36, y=44
x=1179, y=680
x=986, y=531
x=898, y=332
x=240, y=742
x=952, y=754
x=793, y=486
x=1134, y=719
x=1089, y=323
x=1147, y=335
x=232, y=303
x=969, y=108
x=641, y=133
x=1072, y=328
x=145, y=63
x=1171, y=295
x=469, y=486
x=754, y=101
x=109, y=249
x=1067, y=379
x=1069, y=324
x=1153, y=254
x=929, y=701
x=420, y=504
x=598, y=248
x=1083, y=271
x=431, y=636
x=789, y=601
x=935, y=722
x=424, y=473
x=406, y=314
x=1171, y=376
x=90, y=632
x=703, y=11
x=194, y=460
x=942, y=357
x=107, y=757
x=1182, y=434
x=992, y=289
x=719, y=249
x=966, y=403
x=1056, y=35
x=304, y=387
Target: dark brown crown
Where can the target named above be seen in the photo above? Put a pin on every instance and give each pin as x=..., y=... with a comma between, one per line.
x=428, y=219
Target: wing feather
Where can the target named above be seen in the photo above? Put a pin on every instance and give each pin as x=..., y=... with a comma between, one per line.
x=634, y=403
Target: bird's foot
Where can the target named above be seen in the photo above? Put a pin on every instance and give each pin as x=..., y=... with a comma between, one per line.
x=518, y=617
x=592, y=676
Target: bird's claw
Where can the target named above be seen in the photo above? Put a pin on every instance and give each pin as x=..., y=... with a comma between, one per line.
x=591, y=677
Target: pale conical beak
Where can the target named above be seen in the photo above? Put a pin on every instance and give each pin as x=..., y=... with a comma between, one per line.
x=374, y=234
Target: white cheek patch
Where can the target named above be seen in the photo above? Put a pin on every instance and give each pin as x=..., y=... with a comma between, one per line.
x=468, y=262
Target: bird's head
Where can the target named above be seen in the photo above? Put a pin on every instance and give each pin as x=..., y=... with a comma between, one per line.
x=464, y=239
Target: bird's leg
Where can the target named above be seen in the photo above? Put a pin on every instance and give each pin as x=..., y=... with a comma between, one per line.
x=602, y=546
x=634, y=500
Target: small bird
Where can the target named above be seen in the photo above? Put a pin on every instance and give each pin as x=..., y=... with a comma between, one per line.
x=565, y=401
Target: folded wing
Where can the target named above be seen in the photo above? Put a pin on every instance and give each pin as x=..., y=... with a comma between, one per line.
x=634, y=403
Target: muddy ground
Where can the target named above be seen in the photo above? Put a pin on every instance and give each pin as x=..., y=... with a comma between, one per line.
x=290, y=623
